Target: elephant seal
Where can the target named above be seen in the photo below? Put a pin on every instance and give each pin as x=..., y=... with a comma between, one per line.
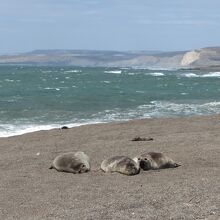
x=121, y=164
x=64, y=127
x=72, y=163
x=153, y=161
x=142, y=139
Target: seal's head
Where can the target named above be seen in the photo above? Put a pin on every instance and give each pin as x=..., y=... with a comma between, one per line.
x=145, y=163
x=85, y=159
x=132, y=169
x=83, y=168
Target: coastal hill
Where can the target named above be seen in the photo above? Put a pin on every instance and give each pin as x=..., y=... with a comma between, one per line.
x=200, y=58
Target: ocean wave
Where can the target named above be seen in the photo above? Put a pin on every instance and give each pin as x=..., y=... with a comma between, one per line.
x=154, y=109
x=73, y=71
x=113, y=71
x=9, y=80
x=191, y=75
x=105, y=81
x=155, y=74
x=8, y=130
x=47, y=71
x=210, y=74
x=163, y=108
x=49, y=88
x=158, y=109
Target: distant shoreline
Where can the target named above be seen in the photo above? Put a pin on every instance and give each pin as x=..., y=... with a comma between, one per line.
x=204, y=58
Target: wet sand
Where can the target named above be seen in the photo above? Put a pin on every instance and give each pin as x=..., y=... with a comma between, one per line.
x=29, y=190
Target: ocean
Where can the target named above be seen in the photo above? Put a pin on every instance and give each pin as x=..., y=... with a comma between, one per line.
x=42, y=98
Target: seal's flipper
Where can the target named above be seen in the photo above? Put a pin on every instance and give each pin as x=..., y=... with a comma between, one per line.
x=177, y=165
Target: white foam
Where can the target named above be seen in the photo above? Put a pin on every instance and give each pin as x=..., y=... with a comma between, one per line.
x=50, y=88
x=13, y=130
x=191, y=75
x=212, y=74
x=73, y=71
x=47, y=71
x=105, y=81
x=156, y=74
x=114, y=71
x=154, y=109
x=9, y=80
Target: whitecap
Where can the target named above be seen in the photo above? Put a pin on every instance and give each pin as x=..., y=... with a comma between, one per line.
x=9, y=80
x=73, y=71
x=114, y=71
x=155, y=74
x=50, y=88
x=191, y=75
x=105, y=81
x=132, y=74
x=212, y=74
x=47, y=71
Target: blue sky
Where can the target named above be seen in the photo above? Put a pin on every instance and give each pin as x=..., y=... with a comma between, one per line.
x=108, y=24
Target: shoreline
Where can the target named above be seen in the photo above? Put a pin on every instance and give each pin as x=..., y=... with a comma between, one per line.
x=29, y=190
x=50, y=127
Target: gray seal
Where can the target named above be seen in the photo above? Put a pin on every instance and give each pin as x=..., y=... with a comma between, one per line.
x=153, y=161
x=71, y=163
x=121, y=164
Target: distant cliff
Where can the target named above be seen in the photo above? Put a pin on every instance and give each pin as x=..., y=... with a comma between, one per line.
x=199, y=58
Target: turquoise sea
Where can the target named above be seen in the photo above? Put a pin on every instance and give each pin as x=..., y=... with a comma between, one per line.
x=36, y=98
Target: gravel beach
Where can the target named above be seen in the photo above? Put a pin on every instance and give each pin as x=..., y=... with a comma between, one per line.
x=29, y=190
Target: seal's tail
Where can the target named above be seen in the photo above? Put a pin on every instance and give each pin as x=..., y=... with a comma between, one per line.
x=51, y=167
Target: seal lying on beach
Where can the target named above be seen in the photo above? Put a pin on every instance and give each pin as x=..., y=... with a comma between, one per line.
x=121, y=164
x=72, y=163
x=153, y=161
x=142, y=139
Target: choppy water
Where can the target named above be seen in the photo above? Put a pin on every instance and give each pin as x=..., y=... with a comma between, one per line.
x=35, y=98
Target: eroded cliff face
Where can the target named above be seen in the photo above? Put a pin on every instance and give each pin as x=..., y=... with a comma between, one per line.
x=189, y=58
x=202, y=58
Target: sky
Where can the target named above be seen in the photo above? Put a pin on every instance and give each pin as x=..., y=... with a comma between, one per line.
x=164, y=25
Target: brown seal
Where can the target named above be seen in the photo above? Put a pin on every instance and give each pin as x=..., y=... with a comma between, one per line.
x=72, y=163
x=121, y=164
x=153, y=161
